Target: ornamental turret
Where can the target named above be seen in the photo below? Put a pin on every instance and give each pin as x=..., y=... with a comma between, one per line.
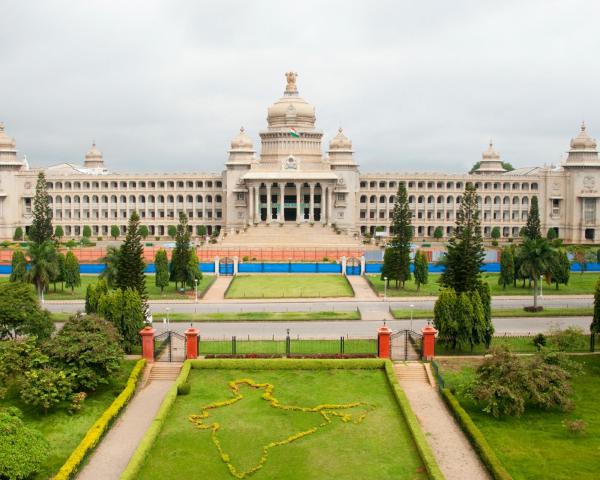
x=490, y=162
x=583, y=150
x=93, y=158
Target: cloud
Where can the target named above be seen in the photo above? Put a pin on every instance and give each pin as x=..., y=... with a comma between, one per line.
x=165, y=85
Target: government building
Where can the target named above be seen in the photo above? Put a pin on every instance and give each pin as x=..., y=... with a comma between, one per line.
x=292, y=182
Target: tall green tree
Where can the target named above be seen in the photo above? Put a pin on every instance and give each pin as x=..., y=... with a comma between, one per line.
x=131, y=265
x=495, y=233
x=111, y=266
x=72, y=277
x=533, y=227
x=18, y=266
x=485, y=296
x=445, y=319
x=438, y=233
x=144, y=231
x=421, y=270
x=536, y=259
x=59, y=232
x=21, y=313
x=507, y=267
x=172, y=231
x=125, y=310
x=161, y=265
x=61, y=265
x=43, y=265
x=402, y=235
x=561, y=268
x=391, y=266
x=181, y=253
x=115, y=231
x=465, y=253
x=41, y=227
x=192, y=271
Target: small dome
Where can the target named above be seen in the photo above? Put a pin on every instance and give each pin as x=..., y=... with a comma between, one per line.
x=93, y=153
x=340, y=142
x=5, y=140
x=242, y=141
x=490, y=153
x=583, y=141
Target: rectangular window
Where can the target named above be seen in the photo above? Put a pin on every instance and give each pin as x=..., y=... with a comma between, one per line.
x=240, y=196
x=555, y=206
x=589, y=210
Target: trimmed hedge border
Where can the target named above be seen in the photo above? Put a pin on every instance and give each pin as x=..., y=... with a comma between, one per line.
x=138, y=458
x=136, y=461
x=477, y=439
x=100, y=426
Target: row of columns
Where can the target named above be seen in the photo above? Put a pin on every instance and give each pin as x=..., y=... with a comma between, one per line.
x=326, y=203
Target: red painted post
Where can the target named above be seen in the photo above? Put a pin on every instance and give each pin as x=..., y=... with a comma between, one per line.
x=191, y=340
x=147, y=334
x=383, y=338
x=428, y=342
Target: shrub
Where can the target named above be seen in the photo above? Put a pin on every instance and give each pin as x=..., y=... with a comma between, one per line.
x=144, y=231
x=172, y=231
x=45, y=388
x=245, y=258
x=184, y=388
x=17, y=357
x=87, y=348
x=99, y=239
x=21, y=314
x=115, y=231
x=71, y=244
x=539, y=341
x=18, y=234
x=568, y=340
x=576, y=427
x=19, y=266
x=494, y=243
x=23, y=450
x=87, y=231
x=124, y=309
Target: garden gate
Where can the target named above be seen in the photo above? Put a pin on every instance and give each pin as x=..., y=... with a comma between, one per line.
x=169, y=346
x=405, y=345
x=226, y=266
x=353, y=266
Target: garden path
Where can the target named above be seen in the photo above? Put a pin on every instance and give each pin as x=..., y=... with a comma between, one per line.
x=451, y=448
x=364, y=292
x=216, y=291
x=115, y=450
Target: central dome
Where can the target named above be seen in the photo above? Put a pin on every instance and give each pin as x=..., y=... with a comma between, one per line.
x=291, y=110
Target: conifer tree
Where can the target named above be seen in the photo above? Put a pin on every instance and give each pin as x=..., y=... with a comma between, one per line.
x=402, y=236
x=444, y=317
x=465, y=254
x=421, y=270
x=61, y=270
x=19, y=266
x=59, y=232
x=131, y=265
x=192, y=271
x=181, y=253
x=72, y=277
x=561, y=268
x=125, y=310
x=41, y=226
x=390, y=267
x=532, y=228
x=507, y=267
x=161, y=266
x=18, y=234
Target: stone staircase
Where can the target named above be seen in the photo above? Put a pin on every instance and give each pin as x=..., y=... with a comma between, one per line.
x=411, y=372
x=164, y=371
x=290, y=235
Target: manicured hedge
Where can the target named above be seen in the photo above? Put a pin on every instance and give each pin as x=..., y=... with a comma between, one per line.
x=413, y=424
x=477, y=439
x=97, y=430
x=139, y=456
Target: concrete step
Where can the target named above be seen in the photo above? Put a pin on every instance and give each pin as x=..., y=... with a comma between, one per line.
x=165, y=371
x=411, y=373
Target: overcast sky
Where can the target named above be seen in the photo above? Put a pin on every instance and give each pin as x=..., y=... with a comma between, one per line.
x=417, y=86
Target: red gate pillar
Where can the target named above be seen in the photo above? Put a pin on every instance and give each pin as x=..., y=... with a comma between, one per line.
x=383, y=338
x=428, y=342
x=191, y=341
x=147, y=334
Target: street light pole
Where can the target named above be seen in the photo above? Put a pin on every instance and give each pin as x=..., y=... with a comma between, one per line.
x=385, y=280
x=411, y=316
x=196, y=286
x=541, y=286
x=168, y=325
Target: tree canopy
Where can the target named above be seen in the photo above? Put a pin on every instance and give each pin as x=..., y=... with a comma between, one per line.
x=21, y=313
x=131, y=265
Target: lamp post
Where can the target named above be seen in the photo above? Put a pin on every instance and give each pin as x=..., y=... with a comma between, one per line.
x=196, y=288
x=168, y=325
x=411, y=316
x=385, y=280
x=541, y=286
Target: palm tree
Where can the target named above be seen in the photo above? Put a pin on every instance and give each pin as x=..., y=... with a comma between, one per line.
x=536, y=258
x=111, y=261
x=44, y=266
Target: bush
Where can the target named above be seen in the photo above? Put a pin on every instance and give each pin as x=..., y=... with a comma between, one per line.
x=184, y=388
x=18, y=234
x=539, y=341
x=494, y=243
x=569, y=340
x=245, y=258
x=71, y=244
x=17, y=357
x=45, y=388
x=21, y=314
x=23, y=450
x=576, y=427
x=87, y=232
x=99, y=239
x=87, y=348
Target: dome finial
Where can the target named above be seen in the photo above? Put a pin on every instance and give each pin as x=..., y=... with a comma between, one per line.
x=1, y=126
x=291, y=88
x=583, y=125
x=242, y=130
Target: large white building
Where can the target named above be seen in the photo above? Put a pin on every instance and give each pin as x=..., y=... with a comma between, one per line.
x=293, y=181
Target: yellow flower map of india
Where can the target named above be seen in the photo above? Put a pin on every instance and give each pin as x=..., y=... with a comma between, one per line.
x=327, y=413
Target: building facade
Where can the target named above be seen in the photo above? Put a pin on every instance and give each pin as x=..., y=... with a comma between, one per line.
x=293, y=181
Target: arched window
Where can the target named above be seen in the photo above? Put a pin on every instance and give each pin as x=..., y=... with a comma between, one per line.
x=430, y=199
x=487, y=201
x=392, y=199
x=179, y=198
x=199, y=198
x=86, y=199
x=534, y=186
x=525, y=201
x=142, y=199
x=218, y=199
x=94, y=198
x=161, y=199
x=373, y=199
x=382, y=199
x=515, y=200
x=131, y=198
x=421, y=199
x=151, y=199
x=113, y=199
x=440, y=199
x=123, y=199
x=449, y=199
x=208, y=199
x=170, y=199
x=67, y=199
x=58, y=199
x=363, y=199
x=411, y=199
x=497, y=200
x=189, y=198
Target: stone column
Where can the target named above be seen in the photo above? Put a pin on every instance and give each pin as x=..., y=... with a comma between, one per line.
x=428, y=333
x=269, y=213
x=191, y=343
x=323, y=205
x=257, y=204
x=311, y=216
x=236, y=262
x=281, y=202
x=343, y=262
x=384, y=348
x=250, y=206
x=329, y=205
x=298, y=188
x=147, y=334
x=217, y=266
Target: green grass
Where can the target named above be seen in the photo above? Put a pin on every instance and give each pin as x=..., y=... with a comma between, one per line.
x=244, y=346
x=536, y=445
x=64, y=431
x=153, y=291
x=380, y=447
x=404, y=313
x=291, y=286
x=579, y=284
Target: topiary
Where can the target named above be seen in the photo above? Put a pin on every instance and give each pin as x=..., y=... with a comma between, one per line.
x=540, y=341
x=23, y=450
x=184, y=388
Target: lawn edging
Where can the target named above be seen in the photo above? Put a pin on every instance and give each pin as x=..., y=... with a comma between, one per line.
x=477, y=439
x=142, y=450
x=210, y=284
x=425, y=453
x=417, y=434
x=100, y=426
x=371, y=284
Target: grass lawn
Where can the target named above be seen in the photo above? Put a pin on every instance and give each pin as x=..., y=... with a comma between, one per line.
x=64, y=431
x=536, y=445
x=243, y=346
x=579, y=284
x=153, y=291
x=380, y=447
x=291, y=286
x=404, y=313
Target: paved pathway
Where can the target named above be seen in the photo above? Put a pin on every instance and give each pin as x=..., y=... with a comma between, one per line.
x=112, y=455
x=452, y=450
x=217, y=290
x=374, y=309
